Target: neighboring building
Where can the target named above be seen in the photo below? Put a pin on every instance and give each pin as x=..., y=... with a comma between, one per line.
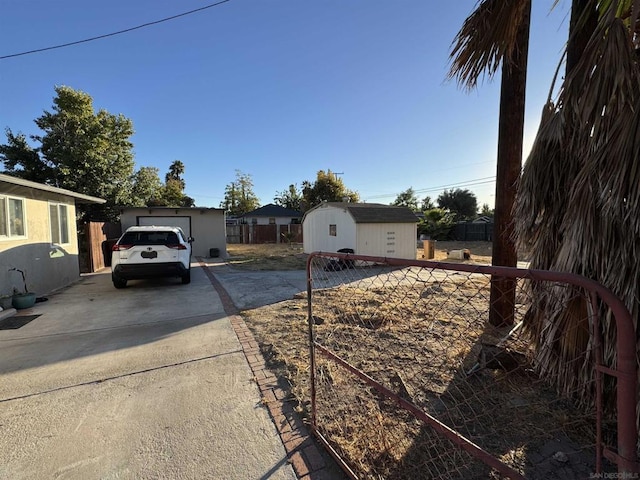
x=206, y=225
x=272, y=215
x=367, y=228
x=38, y=235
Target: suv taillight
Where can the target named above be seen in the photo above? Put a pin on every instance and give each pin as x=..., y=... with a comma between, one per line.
x=117, y=248
x=179, y=246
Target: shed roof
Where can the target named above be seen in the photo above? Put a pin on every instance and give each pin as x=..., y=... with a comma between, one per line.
x=272, y=210
x=48, y=188
x=373, y=212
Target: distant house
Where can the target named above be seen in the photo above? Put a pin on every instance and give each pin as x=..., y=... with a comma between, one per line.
x=367, y=228
x=272, y=215
x=268, y=224
x=38, y=235
x=206, y=225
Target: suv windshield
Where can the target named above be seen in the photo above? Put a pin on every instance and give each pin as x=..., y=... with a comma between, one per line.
x=149, y=238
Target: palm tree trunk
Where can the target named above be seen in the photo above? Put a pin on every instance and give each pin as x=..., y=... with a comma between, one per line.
x=509, y=164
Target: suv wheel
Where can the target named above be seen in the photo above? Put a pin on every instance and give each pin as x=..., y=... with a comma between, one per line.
x=118, y=282
x=186, y=278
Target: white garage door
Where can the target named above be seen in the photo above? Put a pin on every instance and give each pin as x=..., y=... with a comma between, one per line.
x=182, y=222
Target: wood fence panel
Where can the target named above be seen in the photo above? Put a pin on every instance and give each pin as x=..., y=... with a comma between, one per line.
x=99, y=237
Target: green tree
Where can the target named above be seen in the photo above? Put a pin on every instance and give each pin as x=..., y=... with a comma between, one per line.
x=291, y=198
x=426, y=204
x=327, y=188
x=81, y=150
x=21, y=160
x=486, y=210
x=462, y=203
x=238, y=195
x=407, y=199
x=147, y=187
x=176, y=170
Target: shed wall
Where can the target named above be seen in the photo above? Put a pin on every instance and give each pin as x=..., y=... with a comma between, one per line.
x=316, y=230
x=391, y=240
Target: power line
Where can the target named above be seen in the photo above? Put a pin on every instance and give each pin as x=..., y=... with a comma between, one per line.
x=115, y=33
x=465, y=183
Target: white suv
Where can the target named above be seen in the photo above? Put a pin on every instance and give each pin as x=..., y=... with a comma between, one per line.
x=148, y=252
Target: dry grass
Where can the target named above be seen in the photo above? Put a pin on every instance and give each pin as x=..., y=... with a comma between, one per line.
x=279, y=256
x=418, y=341
x=267, y=256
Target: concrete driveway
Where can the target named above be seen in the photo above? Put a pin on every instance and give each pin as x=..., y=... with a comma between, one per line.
x=145, y=382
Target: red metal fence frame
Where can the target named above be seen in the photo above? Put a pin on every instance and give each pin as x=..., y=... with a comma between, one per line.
x=625, y=372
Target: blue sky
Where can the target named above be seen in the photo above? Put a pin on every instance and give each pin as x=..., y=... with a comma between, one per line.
x=278, y=89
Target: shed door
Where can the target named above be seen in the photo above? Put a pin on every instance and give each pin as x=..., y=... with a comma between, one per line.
x=183, y=222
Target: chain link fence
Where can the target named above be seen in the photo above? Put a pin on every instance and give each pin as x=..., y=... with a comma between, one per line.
x=410, y=380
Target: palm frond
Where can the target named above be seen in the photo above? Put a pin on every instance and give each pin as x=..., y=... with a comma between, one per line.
x=486, y=40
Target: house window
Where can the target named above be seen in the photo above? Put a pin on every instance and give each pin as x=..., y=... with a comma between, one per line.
x=272, y=221
x=59, y=221
x=12, y=218
x=254, y=221
x=332, y=230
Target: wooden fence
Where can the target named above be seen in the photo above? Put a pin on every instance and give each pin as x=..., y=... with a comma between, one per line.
x=249, y=233
x=100, y=236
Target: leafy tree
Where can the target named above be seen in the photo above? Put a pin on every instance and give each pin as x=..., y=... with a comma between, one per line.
x=172, y=194
x=148, y=190
x=427, y=204
x=327, y=188
x=407, y=199
x=291, y=198
x=461, y=203
x=21, y=160
x=147, y=187
x=238, y=195
x=486, y=210
x=81, y=150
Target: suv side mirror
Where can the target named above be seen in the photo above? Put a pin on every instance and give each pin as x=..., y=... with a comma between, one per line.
x=191, y=240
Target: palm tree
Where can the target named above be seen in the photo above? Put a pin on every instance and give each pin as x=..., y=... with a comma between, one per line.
x=578, y=200
x=176, y=169
x=497, y=32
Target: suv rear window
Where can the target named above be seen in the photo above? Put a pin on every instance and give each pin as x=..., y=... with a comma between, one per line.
x=149, y=238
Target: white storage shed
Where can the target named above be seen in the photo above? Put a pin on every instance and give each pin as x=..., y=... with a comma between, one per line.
x=367, y=228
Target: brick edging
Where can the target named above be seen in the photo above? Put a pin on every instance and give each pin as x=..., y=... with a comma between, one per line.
x=302, y=451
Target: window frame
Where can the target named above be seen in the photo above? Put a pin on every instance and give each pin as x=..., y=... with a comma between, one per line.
x=59, y=225
x=7, y=237
x=333, y=230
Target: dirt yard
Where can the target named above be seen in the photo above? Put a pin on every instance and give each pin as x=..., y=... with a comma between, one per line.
x=384, y=335
x=280, y=256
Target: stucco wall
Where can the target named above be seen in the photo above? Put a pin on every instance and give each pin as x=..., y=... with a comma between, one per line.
x=207, y=225
x=47, y=266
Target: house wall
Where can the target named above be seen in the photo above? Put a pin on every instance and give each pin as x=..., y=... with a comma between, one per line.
x=208, y=227
x=315, y=230
x=265, y=220
x=47, y=266
x=391, y=240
